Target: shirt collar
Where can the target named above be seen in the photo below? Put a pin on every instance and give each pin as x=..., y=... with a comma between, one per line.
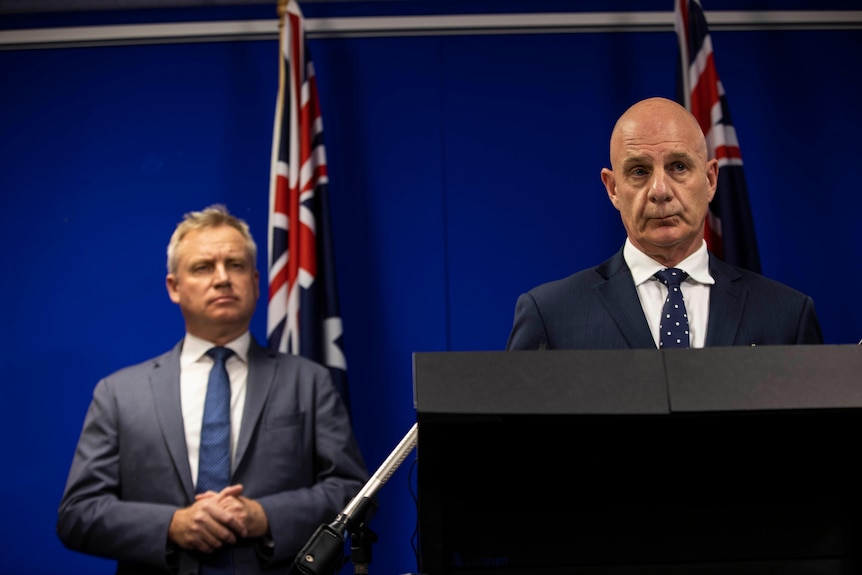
x=195, y=347
x=643, y=267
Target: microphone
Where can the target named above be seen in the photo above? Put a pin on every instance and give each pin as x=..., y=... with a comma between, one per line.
x=323, y=554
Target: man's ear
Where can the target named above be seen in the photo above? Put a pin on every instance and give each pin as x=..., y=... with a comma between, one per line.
x=610, y=182
x=171, y=284
x=712, y=178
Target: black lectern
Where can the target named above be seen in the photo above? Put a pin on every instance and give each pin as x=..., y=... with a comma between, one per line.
x=707, y=461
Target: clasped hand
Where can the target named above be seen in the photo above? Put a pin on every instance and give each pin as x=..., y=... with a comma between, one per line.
x=217, y=519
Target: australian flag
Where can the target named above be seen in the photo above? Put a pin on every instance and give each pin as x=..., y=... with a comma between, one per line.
x=729, y=226
x=303, y=315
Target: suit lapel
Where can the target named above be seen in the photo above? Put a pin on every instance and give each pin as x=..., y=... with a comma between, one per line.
x=726, y=304
x=261, y=374
x=620, y=298
x=165, y=385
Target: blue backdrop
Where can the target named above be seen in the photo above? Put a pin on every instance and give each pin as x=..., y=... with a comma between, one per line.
x=464, y=169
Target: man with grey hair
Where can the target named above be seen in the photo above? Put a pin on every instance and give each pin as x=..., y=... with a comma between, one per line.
x=148, y=486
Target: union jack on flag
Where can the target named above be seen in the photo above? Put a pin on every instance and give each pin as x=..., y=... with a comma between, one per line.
x=729, y=230
x=303, y=315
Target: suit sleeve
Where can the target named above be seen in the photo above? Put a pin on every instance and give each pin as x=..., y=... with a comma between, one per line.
x=92, y=518
x=809, y=331
x=322, y=479
x=528, y=328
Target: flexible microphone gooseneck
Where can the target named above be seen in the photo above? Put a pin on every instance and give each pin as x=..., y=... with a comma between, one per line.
x=323, y=554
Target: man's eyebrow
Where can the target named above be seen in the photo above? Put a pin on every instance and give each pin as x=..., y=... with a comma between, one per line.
x=635, y=160
x=200, y=260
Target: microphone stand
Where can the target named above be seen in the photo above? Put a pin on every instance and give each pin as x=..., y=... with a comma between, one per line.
x=323, y=554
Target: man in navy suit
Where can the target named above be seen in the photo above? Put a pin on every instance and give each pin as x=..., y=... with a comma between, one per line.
x=661, y=181
x=295, y=463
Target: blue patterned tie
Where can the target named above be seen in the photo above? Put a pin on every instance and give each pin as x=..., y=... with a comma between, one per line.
x=214, y=462
x=673, y=327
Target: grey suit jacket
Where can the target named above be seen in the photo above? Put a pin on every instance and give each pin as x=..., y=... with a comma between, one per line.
x=598, y=308
x=296, y=455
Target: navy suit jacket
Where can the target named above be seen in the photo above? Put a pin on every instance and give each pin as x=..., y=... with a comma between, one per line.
x=599, y=308
x=296, y=455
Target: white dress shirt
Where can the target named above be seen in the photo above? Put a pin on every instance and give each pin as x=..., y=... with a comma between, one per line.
x=195, y=367
x=652, y=293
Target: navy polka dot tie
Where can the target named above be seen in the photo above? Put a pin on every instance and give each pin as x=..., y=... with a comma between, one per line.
x=214, y=461
x=673, y=327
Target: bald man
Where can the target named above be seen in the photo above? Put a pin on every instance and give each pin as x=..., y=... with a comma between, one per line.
x=661, y=181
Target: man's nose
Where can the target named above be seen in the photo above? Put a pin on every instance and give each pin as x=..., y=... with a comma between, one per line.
x=221, y=275
x=659, y=190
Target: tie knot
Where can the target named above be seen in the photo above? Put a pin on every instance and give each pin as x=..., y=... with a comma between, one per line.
x=220, y=354
x=670, y=276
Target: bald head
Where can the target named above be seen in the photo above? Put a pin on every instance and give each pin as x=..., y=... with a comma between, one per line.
x=657, y=116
